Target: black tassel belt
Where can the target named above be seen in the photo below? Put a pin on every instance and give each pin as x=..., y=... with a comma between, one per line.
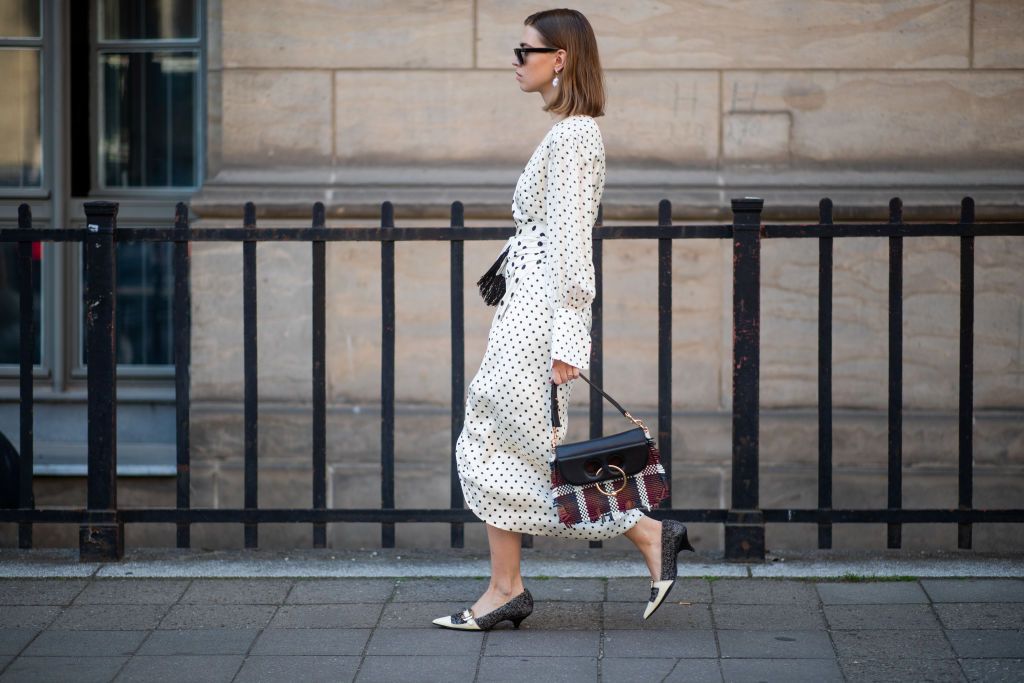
x=491, y=283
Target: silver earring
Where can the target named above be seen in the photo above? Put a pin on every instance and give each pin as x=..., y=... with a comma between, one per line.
x=555, y=82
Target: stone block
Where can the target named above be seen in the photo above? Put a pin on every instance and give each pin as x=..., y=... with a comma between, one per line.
x=970, y=643
x=757, y=137
x=85, y=644
x=132, y=591
x=218, y=616
x=331, y=591
x=661, y=669
x=425, y=641
x=345, y=35
x=441, y=668
x=751, y=670
x=698, y=34
x=539, y=644
x=181, y=667
x=974, y=590
x=28, y=617
x=39, y=591
x=743, y=592
x=200, y=641
x=445, y=124
x=980, y=616
x=13, y=640
x=70, y=669
x=347, y=615
x=880, y=616
x=275, y=116
x=308, y=667
x=236, y=592
x=944, y=117
x=767, y=617
x=311, y=641
x=110, y=617
x=873, y=593
x=997, y=28
x=920, y=644
x=882, y=669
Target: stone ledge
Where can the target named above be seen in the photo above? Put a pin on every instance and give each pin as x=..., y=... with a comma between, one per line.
x=631, y=193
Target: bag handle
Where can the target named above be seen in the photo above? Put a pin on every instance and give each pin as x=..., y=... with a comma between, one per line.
x=555, y=423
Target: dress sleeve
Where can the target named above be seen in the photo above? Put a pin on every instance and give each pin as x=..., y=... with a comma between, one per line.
x=571, y=179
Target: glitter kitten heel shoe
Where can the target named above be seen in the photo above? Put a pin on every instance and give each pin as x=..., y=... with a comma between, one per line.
x=515, y=610
x=673, y=539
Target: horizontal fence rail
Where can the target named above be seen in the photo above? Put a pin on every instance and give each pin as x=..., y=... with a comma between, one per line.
x=101, y=522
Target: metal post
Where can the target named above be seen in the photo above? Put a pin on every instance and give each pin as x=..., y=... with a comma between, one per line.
x=101, y=535
x=744, y=523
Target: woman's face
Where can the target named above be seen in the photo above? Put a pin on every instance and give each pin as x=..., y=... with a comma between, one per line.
x=540, y=68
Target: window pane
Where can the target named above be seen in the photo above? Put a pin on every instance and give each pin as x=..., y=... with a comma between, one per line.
x=145, y=286
x=19, y=18
x=142, y=19
x=21, y=142
x=10, y=302
x=149, y=119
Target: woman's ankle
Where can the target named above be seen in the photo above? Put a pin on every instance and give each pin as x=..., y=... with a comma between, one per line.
x=506, y=588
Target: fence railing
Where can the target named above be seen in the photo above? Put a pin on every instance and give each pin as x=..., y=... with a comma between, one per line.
x=101, y=522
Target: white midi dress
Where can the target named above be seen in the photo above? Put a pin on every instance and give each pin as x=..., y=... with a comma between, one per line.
x=504, y=449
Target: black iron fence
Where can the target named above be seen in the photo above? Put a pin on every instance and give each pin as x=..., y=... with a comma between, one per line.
x=102, y=521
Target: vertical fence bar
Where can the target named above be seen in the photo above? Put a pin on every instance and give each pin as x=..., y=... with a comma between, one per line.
x=387, y=377
x=319, y=367
x=665, y=344
x=250, y=358
x=458, y=330
x=26, y=358
x=966, y=412
x=182, y=370
x=596, y=346
x=825, y=373
x=101, y=536
x=895, y=497
x=744, y=525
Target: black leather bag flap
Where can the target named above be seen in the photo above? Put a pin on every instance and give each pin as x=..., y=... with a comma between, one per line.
x=580, y=462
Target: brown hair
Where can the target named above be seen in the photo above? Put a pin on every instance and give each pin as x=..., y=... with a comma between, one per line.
x=581, y=82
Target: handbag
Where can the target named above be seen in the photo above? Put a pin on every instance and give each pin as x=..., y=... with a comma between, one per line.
x=590, y=480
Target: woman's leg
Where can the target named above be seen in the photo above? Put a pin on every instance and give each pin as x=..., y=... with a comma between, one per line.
x=646, y=536
x=506, y=580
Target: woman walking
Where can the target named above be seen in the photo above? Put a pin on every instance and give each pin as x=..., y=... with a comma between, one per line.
x=540, y=334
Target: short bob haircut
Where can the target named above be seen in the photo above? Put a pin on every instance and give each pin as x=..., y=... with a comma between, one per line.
x=581, y=82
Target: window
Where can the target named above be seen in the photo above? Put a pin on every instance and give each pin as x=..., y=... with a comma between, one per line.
x=21, y=156
x=148, y=66
x=21, y=124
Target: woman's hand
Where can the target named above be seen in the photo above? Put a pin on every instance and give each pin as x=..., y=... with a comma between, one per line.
x=563, y=372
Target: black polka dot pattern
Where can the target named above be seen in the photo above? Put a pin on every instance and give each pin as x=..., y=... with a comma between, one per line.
x=504, y=450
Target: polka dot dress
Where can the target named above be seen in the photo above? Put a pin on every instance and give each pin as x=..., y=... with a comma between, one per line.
x=504, y=450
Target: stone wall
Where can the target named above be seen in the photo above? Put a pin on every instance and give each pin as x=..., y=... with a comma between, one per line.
x=355, y=103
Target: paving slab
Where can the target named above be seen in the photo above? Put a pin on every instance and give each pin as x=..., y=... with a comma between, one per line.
x=308, y=669
x=788, y=670
x=512, y=643
x=312, y=641
x=455, y=590
x=894, y=644
x=85, y=644
x=410, y=641
x=184, y=617
x=671, y=615
x=663, y=669
x=871, y=593
x=14, y=640
x=236, y=592
x=40, y=591
x=35, y=617
x=534, y=669
x=774, y=592
x=766, y=617
x=987, y=643
x=883, y=669
x=205, y=641
x=341, y=615
x=993, y=670
x=63, y=669
x=880, y=616
x=110, y=617
x=982, y=615
x=691, y=644
x=639, y=589
x=574, y=590
x=426, y=668
x=177, y=668
x=132, y=592
x=326, y=591
x=974, y=590
x=775, y=645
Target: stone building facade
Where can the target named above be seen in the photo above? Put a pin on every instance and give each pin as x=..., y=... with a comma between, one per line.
x=356, y=103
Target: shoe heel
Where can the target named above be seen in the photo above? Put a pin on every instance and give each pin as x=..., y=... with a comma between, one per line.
x=684, y=543
x=516, y=622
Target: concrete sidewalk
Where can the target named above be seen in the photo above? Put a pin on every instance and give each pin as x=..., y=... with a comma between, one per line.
x=114, y=622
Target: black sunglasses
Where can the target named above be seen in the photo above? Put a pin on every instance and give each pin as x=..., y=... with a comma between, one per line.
x=521, y=50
